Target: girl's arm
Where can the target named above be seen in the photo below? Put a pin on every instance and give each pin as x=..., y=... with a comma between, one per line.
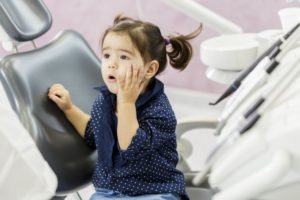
x=127, y=124
x=79, y=119
x=130, y=86
x=156, y=131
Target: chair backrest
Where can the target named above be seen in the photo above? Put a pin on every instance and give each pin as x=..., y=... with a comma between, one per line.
x=27, y=77
x=24, y=20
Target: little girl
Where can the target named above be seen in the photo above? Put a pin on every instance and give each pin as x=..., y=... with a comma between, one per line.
x=132, y=124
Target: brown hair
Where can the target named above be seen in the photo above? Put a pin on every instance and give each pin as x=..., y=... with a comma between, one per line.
x=152, y=45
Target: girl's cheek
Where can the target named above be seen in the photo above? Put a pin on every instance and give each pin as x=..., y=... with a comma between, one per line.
x=103, y=69
x=103, y=65
x=122, y=71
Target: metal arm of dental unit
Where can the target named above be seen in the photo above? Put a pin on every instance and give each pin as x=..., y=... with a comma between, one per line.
x=205, y=16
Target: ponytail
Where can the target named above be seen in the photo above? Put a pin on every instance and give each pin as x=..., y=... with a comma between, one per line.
x=179, y=50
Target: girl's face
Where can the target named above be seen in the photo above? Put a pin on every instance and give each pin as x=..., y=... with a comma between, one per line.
x=118, y=53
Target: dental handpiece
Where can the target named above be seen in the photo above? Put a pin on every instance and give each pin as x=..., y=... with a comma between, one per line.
x=264, y=101
x=237, y=82
x=252, y=114
x=257, y=78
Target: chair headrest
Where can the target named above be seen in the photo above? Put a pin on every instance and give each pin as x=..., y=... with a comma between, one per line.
x=24, y=20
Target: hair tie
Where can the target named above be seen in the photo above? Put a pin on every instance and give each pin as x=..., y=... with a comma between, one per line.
x=167, y=41
x=169, y=46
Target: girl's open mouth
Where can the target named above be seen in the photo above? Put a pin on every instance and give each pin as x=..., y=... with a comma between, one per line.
x=111, y=78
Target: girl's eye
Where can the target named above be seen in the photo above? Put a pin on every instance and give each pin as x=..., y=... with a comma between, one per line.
x=106, y=55
x=124, y=57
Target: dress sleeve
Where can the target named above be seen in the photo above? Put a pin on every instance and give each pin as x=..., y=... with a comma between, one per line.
x=157, y=128
x=89, y=136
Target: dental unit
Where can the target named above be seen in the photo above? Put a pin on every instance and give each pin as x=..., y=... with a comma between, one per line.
x=251, y=115
x=237, y=82
x=258, y=77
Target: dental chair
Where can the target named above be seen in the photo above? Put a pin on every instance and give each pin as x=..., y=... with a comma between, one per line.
x=26, y=78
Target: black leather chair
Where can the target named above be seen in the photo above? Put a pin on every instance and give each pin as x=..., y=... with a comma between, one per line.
x=26, y=78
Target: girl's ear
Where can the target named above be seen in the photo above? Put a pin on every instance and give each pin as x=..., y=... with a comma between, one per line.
x=152, y=69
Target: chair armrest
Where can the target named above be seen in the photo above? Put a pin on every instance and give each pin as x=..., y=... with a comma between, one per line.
x=195, y=122
x=184, y=147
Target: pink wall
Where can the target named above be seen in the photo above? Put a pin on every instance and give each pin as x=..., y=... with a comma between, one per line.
x=91, y=17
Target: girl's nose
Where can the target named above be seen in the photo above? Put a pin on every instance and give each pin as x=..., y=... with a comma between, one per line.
x=112, y=65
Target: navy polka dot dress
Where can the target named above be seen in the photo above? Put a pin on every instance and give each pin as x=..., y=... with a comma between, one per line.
x=148, y=166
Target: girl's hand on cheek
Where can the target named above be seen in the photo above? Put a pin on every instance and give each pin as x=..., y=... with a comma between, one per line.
x=130, y=84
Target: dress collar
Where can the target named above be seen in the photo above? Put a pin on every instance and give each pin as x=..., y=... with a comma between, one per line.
x=154, y=88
